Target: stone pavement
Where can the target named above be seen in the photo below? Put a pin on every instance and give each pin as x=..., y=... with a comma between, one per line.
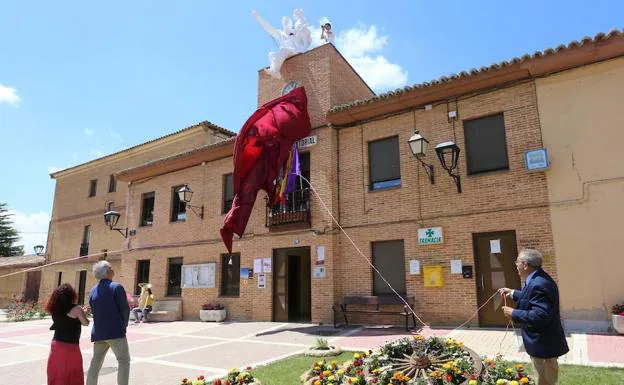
x=164, y=353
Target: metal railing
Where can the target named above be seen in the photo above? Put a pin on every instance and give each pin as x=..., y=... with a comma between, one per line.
x=295, y=209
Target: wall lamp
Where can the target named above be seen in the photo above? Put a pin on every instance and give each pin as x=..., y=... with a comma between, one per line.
x=185, y=194
x=448, y=153
x=111, y=218
x=418, y=145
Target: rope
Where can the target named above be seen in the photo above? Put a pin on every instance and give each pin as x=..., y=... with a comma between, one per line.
x=60, y=262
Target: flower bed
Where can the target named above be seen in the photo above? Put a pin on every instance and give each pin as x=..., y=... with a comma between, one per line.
x=234, y=377
x=417, y=361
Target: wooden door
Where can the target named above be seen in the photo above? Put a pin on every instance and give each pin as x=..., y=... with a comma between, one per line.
x=495, y=255
x=33, y=279
x=280, y=286
x=82, y=283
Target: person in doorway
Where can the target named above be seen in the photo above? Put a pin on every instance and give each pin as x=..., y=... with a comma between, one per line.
x=146, y=301
x=538, y=315
x=65, y=359
x=109, y=304
x=327, y=34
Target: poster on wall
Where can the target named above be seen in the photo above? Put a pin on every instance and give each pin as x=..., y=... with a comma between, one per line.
x=456, y=266
x=433, y=276
x=244, y=273
x=414, y=266
x=258, y=266
x=319, y=272
x=320, y=255
x=199, y=276
x=261, y=281
x=266, y=265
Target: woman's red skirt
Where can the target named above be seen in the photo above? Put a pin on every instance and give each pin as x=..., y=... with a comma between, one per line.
x=65, y=364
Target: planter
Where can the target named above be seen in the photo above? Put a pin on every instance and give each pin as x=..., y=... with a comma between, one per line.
x=318, y=352
x=618, y=323
x=212, y=315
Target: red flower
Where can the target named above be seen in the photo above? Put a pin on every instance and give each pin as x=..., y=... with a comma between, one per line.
x=200, y=377
x=249, y=368
x=184, y=381
x=217, y=382
x=449, y=378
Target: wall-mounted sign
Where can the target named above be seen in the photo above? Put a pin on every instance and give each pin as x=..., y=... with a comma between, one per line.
x=319, y=272
x=199, y=276
x=414, y=266
x=433, y=276
x=308, y=141
x=261, y=281
x=430, y=236
x=536, y=160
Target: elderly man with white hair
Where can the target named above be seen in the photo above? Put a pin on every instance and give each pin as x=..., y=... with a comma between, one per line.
x=111, y=312
x=538, y=315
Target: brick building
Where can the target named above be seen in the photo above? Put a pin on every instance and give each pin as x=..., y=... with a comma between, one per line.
x=360, y=164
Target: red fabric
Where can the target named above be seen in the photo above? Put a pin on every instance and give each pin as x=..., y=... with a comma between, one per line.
x=261, y=149
x=65, y=364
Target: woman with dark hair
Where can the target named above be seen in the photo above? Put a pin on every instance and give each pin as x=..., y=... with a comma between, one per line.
x=65, y=360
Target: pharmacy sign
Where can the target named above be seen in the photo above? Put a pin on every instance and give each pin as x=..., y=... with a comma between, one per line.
x=430, y=236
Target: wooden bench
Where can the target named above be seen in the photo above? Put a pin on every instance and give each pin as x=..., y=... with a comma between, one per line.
x=377, y=302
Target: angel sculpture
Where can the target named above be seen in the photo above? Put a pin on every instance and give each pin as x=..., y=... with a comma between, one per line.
x=294, y=38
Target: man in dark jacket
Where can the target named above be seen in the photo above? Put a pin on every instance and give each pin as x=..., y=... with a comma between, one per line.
x=111, y=312
x=538, y=316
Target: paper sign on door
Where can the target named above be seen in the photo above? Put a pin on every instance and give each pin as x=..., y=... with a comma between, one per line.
x=495, y=246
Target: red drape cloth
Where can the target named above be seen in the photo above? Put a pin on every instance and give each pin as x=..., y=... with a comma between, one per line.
x=261, y=149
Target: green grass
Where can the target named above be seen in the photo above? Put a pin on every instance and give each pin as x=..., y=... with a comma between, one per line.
x=288, y=371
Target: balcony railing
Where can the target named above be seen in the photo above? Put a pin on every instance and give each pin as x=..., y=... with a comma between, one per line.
x=295, y=210
x=84, y=249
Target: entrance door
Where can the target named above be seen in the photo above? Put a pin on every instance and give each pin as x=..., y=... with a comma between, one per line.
x=495, y=255
x=33, y=279
x=292, y=285
x=82, y=283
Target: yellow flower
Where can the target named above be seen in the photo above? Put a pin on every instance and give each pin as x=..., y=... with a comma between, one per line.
x=514, y=382
x=446, y=366
x=472, y=382
x=340, y=372
x=334, y=363
x=509, y=370
x=317, y=382
x=320, y=363
x=500, y=382
x=317, y=368
x=524, y=380
x=356, y=356
x=331, y=378
x=326, y=373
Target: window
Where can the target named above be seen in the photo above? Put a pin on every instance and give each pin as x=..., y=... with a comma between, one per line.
x=178, y=207
x=112, y=184
x=147, y=209
x=174, y=277
x=388, y=258
x=59, y=278
x=92, y=188
x=230, y=275
x=486, y=145
x=110, y=206
x=86, y=236
x=142, y=275
x=384, y=163
x=228, y=193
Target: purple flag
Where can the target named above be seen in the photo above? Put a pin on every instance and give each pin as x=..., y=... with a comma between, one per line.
x=295, y=170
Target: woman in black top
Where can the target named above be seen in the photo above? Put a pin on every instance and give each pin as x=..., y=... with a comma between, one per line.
x=65, y=360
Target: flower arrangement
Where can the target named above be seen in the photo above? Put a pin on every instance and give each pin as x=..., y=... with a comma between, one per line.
x=212, y=306
x=418, y=361
x=618, y=309
x=234, y=377
x=20, y=310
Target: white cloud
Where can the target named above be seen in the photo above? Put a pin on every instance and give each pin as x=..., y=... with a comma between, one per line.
x=32, y=228
x=361, y=46
x=9, y=95
x=53, y=169
x=88, y=132
x=95, y=153
x=115, y=135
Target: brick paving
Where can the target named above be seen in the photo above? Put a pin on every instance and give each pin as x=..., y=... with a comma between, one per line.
x=163, y=353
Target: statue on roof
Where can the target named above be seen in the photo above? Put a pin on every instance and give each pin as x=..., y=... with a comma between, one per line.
x=294, y=38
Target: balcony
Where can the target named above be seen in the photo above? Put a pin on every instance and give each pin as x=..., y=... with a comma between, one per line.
x=293, y=213
x=84, y=249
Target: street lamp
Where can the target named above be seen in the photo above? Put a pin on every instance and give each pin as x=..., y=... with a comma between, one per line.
x=39, y=249
x=185, y=194
x=111, y=218
x=418, y=145
x=448, y=153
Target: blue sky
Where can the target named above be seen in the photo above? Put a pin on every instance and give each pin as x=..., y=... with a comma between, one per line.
x=79, y=80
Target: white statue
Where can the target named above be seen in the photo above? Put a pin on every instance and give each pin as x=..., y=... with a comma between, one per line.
x=327, y=34
x=291, y=40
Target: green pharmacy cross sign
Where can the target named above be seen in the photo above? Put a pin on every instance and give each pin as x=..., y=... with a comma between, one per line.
x=430, y=236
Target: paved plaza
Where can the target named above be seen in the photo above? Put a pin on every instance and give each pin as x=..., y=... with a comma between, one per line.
x=163, y=353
